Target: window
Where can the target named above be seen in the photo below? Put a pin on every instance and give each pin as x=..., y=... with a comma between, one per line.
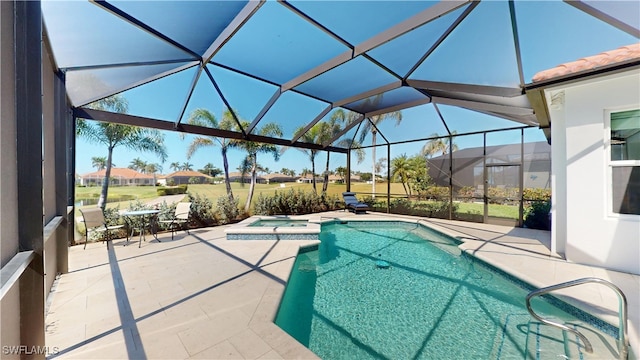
x=625, y=161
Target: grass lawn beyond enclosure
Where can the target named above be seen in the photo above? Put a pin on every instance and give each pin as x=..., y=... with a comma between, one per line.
x=215, y=191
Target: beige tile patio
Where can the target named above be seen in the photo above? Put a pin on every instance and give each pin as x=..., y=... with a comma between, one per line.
x=201, y=296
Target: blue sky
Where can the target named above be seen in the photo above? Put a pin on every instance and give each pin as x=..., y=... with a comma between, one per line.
x=559, y=40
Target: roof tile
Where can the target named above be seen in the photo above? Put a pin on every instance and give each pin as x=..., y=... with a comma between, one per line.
x=624, y=53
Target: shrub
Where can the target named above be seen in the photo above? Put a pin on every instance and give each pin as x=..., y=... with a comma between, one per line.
x=437, y=209
x=294, y=202
x=440, y=209
x=172, y=190
x=227, y=209
x=437, y=192
x=166, y=213
x=467, y=192
x=537, y=215
x=202, y=210
x=536, y=194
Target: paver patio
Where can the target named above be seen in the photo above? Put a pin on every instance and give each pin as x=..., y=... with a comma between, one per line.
x=201, y=296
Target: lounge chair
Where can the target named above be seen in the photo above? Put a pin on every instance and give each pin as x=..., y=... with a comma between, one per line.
x=353, y=204
x=94, y=221
x=180, y=217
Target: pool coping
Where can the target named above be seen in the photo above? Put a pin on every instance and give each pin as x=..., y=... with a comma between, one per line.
x=290, y=232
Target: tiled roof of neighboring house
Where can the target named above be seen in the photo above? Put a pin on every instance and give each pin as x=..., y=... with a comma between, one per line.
x=308, y=177
x=124, y=173
x=278, y=175
x=624, y=53
x=238, y=174
x=187, y=173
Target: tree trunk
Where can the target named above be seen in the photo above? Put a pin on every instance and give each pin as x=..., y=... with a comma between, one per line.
x=102, y=202
x=254, y=176
x=313, y=173
x=227, y=182
x=326, y=176
x=373, y=168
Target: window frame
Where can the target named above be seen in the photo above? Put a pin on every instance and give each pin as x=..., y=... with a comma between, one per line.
x=610, y=164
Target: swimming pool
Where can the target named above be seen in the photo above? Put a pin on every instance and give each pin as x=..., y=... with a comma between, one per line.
x=432, y=302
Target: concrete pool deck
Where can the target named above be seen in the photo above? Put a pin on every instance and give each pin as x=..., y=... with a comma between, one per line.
x=202, y=296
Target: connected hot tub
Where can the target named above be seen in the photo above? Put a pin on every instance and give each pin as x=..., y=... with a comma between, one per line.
x=274, y=228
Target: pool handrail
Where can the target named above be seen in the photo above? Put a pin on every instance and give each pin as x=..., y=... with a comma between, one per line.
x=623, y=333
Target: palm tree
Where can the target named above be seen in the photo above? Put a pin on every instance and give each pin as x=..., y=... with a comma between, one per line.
x=99, y=162
x=312, y=136
x=287, y=171
x=369, y=128
x=138, y=165
x=341, y=171
x=175, y=166
x=153, y=168
x=210, y=170
x=250, y=162
x=400, y=169
x=438, y=145
x=354, y=145
x=347, y=117
x=328, y=130
x=203, y=117
x=186, y=166
x=114, y=135
x=381, y=164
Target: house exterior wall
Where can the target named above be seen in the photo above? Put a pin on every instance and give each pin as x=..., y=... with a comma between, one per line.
x=178, y=180
x=584, y=228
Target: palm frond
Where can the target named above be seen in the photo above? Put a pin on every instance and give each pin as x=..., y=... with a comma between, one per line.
x=197, y=143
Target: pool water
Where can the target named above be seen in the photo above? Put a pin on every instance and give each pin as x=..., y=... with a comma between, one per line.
x=279, y=223
x=431, y=302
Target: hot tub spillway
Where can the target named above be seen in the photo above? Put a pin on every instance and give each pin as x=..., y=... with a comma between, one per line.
x=257, y=228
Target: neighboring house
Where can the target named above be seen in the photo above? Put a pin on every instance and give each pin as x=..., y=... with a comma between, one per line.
x=307, y=179
x=336, y=179
x=340, y=180
x=593, y=108
x=469, y=165
x=279, y=178
x=237, y=177
x=187, y=177
x=161, y=180
x=119, y=177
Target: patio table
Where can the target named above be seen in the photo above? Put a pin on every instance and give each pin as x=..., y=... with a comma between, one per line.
x=145, y=217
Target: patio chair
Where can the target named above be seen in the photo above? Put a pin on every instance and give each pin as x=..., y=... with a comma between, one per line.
x=180, y=217
x=94, y=221
x=353, y=204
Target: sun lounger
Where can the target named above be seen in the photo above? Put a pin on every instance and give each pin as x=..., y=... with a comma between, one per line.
x=353, y=204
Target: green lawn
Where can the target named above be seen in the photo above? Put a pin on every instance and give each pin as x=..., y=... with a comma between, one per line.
x=217, y=190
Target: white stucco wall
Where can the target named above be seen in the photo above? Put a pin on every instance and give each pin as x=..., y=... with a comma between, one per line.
x=583, y=228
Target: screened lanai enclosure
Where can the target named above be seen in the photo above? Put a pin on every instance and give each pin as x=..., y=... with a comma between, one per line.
x=448, y=81
x=385, y=78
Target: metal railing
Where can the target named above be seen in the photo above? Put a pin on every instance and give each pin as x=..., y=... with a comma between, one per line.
x=623, y=337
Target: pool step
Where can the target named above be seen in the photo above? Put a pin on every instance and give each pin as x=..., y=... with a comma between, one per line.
x=524, y=337
x=548, y=342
